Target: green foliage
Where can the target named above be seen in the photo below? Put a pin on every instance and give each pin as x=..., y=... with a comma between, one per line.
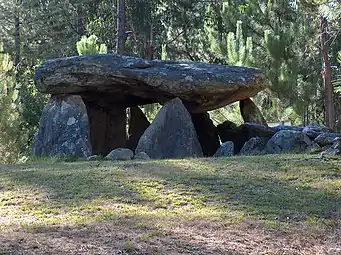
x=150, y=110
x=89, y=45
x=231, y=47
x=32, y=103
x=239, y=52
x=274, y=109
x=337, y=74
x=164, y=54
x=11, y=135
x=283, y=74
x=230, y=112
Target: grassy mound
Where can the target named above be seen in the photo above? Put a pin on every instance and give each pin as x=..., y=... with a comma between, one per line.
x=288, y=204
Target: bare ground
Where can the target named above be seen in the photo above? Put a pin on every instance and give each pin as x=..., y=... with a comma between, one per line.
x=199, y=237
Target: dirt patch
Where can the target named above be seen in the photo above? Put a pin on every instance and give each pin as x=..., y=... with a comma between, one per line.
x=199, y=237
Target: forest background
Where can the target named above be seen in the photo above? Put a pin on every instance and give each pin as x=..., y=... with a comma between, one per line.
x=297, y=43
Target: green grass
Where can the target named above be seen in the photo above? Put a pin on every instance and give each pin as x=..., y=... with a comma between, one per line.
x=152, y=203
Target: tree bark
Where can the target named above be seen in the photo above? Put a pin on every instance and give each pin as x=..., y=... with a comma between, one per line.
x=328, y=87
x=17, y=39
x=120, y=27
x=81, y=22
x=149, y=48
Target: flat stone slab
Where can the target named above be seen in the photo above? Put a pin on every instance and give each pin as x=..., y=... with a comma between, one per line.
x=109, y=79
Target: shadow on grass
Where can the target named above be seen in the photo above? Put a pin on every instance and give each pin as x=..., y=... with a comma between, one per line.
x=134, y=201
x=266, y=188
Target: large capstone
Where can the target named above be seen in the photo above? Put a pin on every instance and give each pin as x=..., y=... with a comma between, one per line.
x=171, y=134
x=126, y=81
x=63, y=129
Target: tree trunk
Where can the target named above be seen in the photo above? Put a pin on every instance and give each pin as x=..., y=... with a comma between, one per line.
x=81, y=22
x=328, y=87
x=120, y=27
x=149, y=48
x=17, y=39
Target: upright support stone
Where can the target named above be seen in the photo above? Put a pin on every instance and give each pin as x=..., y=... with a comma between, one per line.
x=207, y=133
x=63, y=129
x=171, y=134
x=250, y=112
x=240, y=135
x=107, y=127
x=138, y=123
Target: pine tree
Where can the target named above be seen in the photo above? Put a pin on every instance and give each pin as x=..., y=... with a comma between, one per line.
x=239, y=52
x=89, y=45
x=11, y=136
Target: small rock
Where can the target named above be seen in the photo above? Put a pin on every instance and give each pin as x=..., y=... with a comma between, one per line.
x=335, y=149
x=120, y=154
x=254, y=146
x=314, y=148
x=94, y=158
x=326, y=138
x=284, y=127
x=286, y=141
x=331, y=151
x=337, y=139
x=141, y=156
x=225, y=150
x=314, y=130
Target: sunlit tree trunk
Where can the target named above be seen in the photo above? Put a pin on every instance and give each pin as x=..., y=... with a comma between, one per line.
x=149, y=48
x=328, y=87
x=120, y=27
x=17, y=39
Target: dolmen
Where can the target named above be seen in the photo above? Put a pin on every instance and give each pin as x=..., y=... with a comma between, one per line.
x=86, y=113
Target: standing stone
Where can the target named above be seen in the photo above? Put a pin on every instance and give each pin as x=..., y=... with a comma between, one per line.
x=63, y=128
x=207, y=133
x=138, y=123
x=225, y=150
x=224, y=127
x=250, y=112
x=171, y=134
x=286, y=141
x=107, y=127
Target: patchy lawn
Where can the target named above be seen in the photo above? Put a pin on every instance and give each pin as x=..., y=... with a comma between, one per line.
x=288, y=204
